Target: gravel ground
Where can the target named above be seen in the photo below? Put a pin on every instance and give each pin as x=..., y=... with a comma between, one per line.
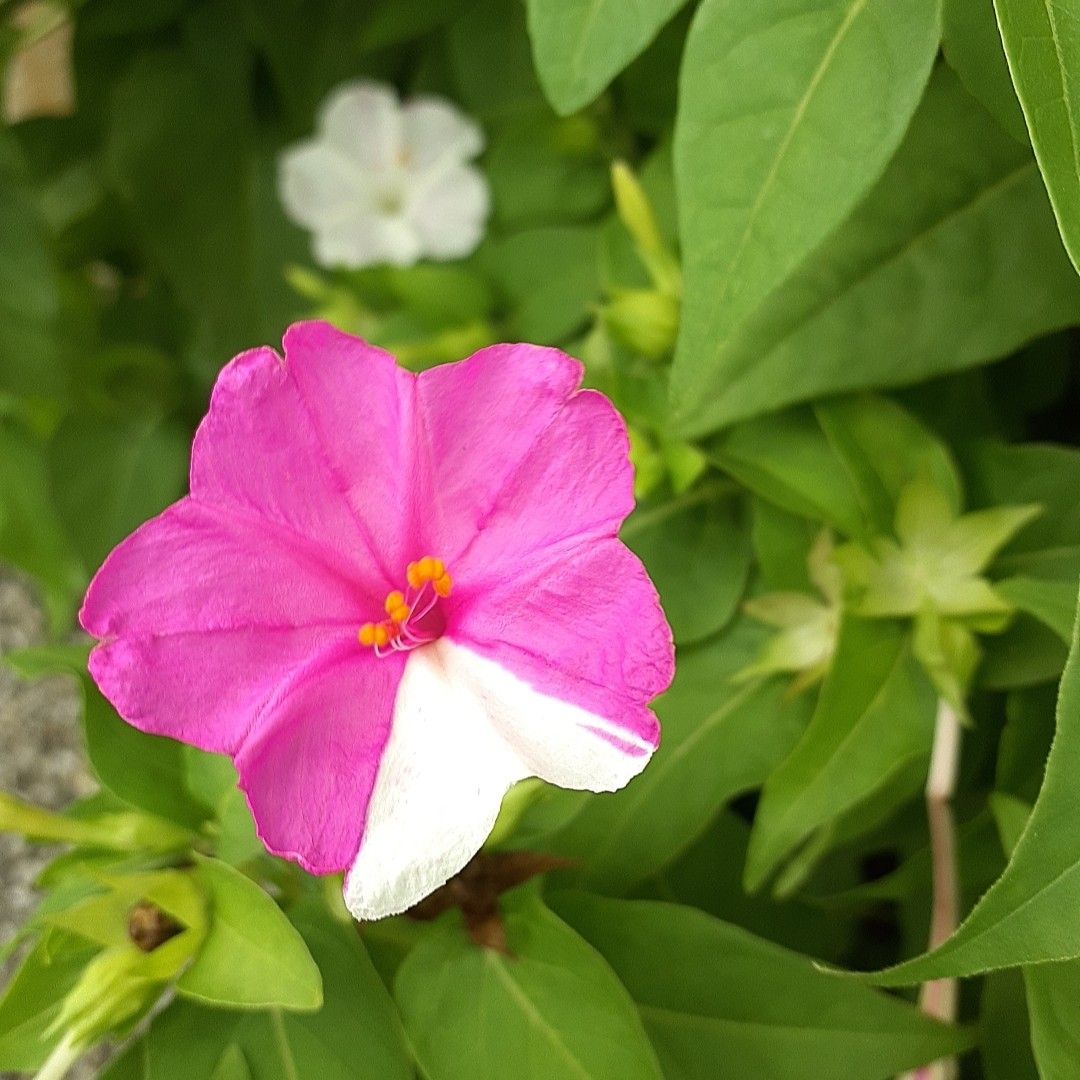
x=41, y=759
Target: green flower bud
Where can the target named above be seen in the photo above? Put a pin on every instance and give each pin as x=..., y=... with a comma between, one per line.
x=643, y=320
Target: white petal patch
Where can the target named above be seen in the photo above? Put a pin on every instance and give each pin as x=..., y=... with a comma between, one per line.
x=464, y=731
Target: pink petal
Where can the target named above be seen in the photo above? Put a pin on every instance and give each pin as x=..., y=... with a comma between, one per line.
x=360, y=405
x=573, y=485
x=478, y=421
x=310, y=765
x=202, y=612
x=271, y=444
x=583, y=625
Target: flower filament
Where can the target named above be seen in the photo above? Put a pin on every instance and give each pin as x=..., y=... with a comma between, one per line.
x=413, y=617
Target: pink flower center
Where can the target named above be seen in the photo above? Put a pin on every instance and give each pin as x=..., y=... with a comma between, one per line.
x=414, y=617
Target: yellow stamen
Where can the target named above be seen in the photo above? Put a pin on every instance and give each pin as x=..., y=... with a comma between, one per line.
x=394, y=600
x=367, y=635
x=382, y=635
x=443, y=584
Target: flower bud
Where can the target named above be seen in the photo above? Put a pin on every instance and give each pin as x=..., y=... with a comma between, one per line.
x=643, y=320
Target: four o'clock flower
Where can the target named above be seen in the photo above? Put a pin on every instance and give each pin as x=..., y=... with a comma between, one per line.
x=386, y=182
x=390, y=597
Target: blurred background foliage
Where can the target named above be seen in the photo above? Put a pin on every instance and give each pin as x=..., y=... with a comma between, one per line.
x=815, y=255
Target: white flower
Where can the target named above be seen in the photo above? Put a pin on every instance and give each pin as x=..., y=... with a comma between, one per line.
x=387, y=182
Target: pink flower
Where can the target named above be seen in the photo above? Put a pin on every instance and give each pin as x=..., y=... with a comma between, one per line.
x=389, y=598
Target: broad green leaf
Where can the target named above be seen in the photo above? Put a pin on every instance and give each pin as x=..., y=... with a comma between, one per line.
x=549, y=1009
x=356, y=1032
x=550, y=279
x=875, y=716
x=1005, y=1040
x=180, y=154
x=1051, y=602
x=697, y=552
x=926, y=277
x=32, y=999
x=1053, y=993
x=972, y=46
x=1032, y=913
x=844, y=462
x=787, y=460
x=1052, y=989
x=581, y=45
x=232, y=1065
x=711, y=995
x=252, y=956
x=1039, y=474
x=29, y=289
x=769, y=90
x=145, y=771
x=109, y=474
x=719, y=741
x=31, y=535
x=1043, y=49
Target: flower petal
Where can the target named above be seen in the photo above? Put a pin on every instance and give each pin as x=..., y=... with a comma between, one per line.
x=440, y=784
x=309, y=767
x=575, y=484
x=464, y=731
x=477, y=420
x=361, y=408
x=203, y=612
x=582, y=625
x=320, y=188
x=363, y=121
x=449, y=211
x=259, y=452
x=434, y=132
x=368, y=240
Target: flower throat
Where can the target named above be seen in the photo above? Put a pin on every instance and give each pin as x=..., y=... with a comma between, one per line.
x=414, y=617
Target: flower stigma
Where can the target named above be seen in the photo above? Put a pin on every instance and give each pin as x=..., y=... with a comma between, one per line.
x=414, y=617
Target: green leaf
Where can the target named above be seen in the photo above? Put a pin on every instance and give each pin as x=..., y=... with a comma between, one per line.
x=550, y=277
x=29, y=289
x=844, y=462
x=32, y=999
x=1005, y=1040
x=356, y=1028
x=1032, y=913
x=232, y=1065
x=1043, y=50
x=355, y=1032
x=1051, y=602
x=711, y=993
x=874, y=717
x=109, y=474
x=31, y=536
x=925, y=278
x=972, y=46
x=581, y=45
x=719, y=741
x=551, y=1002
x=1043, y=475
x=1053, y=993
x=768, y=92
x=252, y=956
x=697, y=552
x=145, y=771
x=180, y=153
x=787, y=460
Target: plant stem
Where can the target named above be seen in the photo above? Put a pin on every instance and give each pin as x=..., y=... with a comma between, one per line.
x=939, y=998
